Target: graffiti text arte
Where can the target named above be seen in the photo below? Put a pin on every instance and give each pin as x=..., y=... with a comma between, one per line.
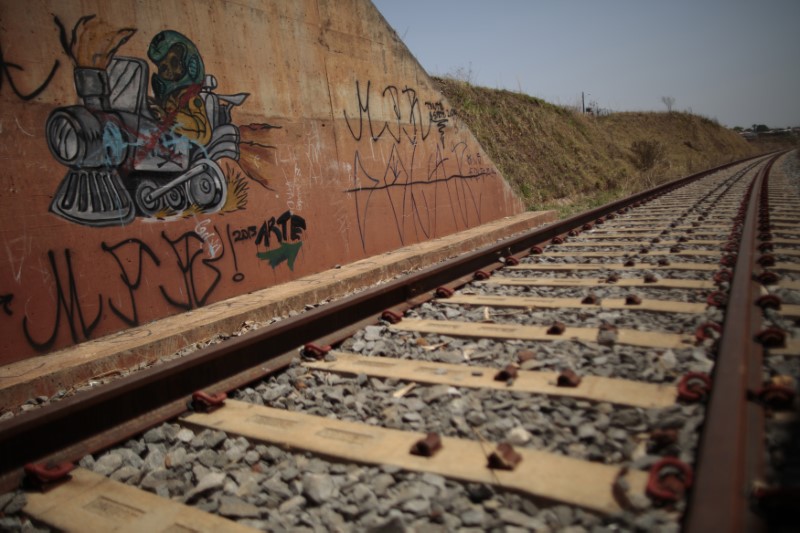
x=282, y=236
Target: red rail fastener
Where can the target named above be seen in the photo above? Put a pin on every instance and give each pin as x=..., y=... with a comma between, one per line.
x=612, y=278
x=669, y=479
x=728, y=260
x=391, y=317
x=537, y=250
x=428, y=446
x=663, y=262
x=587, y=226
x=611, y=216
x=694, y=386
x=590, y=299
x=765, y=247
x=771, y=337
x=573, y=233
x=633, y=299
x=683, y=238
x=767, y=277
x=45, y=476
x=629, y=263
x=203, y=402
x=717, y=299
x=769, y=301
x=775, y=397
x=731, y=247
x=765, y=236
x=568, y=378
x=504, y=457
x=723, y=276
x=650, y=278
x=600, y=220
x=766, y=260
x=444, y=292
x=511, y=261
x=707, y=331
x=509, y=372
x=644, y=251
x=315, y=351
x=557, y=328
x=481, y=275
x=655, y=240
x=557, y=240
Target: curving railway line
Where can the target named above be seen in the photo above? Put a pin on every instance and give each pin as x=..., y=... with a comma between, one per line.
x=631, y=368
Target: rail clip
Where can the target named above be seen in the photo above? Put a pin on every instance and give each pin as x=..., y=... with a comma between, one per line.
x=428, y=446
x=315, y=351
x=769, y=301
x=568, y=378
x=508, y=373
x=391, y=317
x=202, y=402
x=774, y=396
x=771, y=337
x=694, y=386
x=505, y=457
x=45, y=476
x=669, y=480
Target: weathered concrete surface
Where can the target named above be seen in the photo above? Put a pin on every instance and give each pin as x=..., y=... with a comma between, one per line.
x=342, y=149
x=142, y=345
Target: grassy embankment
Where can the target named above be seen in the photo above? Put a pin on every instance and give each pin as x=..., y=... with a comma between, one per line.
x=557, y=158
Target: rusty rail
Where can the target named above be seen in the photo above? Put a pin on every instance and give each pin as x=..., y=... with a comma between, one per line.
x=96, y=419
x=730, y=458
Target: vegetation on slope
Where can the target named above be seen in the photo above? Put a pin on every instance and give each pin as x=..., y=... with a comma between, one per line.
x=556, y=157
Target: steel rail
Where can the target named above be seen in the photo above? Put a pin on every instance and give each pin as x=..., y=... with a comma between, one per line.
x=95, y=419
x=730, y=456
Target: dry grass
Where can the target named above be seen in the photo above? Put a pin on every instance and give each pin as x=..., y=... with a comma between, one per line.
x=555, y=157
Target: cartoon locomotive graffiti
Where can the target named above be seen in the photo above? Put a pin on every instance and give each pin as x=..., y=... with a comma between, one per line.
x=129, y=154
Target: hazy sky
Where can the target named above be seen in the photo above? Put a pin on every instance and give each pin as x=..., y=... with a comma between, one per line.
x=734, y=60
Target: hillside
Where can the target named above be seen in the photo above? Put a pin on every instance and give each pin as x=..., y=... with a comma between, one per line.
x=556, y=157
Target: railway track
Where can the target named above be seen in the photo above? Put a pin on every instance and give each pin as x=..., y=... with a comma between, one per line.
x=631, y=368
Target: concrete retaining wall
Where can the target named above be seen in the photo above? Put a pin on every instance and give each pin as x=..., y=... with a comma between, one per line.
x=158, y=156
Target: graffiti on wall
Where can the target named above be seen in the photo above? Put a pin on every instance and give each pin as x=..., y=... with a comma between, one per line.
x=171, y=154
x=149, y=138
x=450, y=169
x=7, y=77
x=198, y=257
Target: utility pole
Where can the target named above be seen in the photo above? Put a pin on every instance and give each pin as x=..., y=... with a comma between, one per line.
x=583, y=102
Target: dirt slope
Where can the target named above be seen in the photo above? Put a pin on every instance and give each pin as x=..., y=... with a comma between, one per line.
x=557, y=157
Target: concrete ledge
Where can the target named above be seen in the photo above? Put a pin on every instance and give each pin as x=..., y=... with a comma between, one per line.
x=143, y=345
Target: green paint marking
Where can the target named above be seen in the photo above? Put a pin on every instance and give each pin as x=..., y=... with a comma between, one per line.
x=287, y=251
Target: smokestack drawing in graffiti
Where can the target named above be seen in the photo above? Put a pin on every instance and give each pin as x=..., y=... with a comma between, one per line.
x=129, y=154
